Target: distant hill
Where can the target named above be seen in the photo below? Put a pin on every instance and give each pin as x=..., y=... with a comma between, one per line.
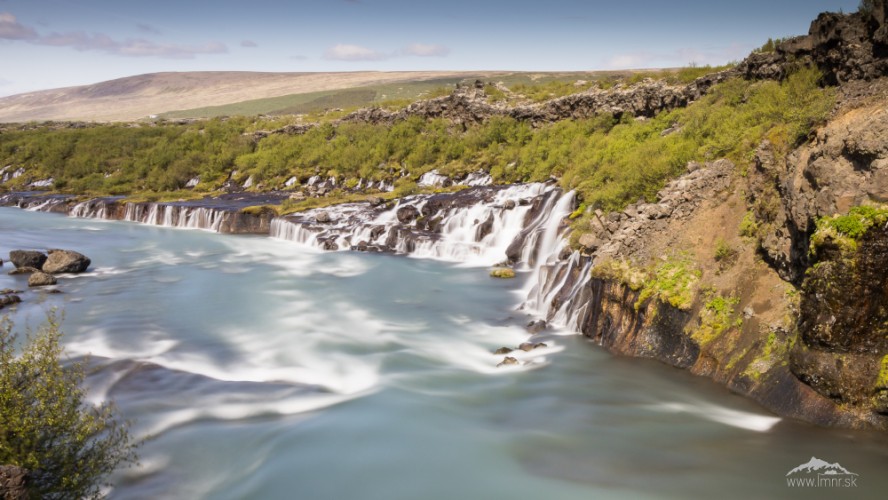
x=136, y=97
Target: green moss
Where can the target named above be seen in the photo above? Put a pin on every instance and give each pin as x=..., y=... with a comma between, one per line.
x=259, y=210
x=882, y=379
x=716, y=317
x=621, y=271
x=502, y=272
x=673, y=282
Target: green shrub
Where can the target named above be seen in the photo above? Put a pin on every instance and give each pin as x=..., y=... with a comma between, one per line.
x=749, y=227
x=46, y=425
x=846, y=230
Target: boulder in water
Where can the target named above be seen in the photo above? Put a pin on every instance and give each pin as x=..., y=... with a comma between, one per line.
x=537, y=326
x=502, y=272
x=502, y=350
x=65, y=261
x=8, y=300
x=323, y=217
x=39, y=278
x=508, y=361
x=529, y=346
x=27, y=258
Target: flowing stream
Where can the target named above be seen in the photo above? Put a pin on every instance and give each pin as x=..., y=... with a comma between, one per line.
x=262, y=368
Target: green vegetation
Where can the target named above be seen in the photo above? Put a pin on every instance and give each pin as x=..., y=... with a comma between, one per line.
x=539, y=92
x=673, y=282
x=846, y=230
x=46, y=425
x=882, y=379
x=610, y=160
x=502, y=272
x=725, y=254
x=749, y=227
x=770, y=45
x=621, y=271
x=678, y=76
x=716, y=318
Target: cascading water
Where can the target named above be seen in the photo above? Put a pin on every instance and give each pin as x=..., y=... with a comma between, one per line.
x=474, y=227
x=548, y=248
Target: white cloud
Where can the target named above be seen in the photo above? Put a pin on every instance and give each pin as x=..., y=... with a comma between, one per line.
x=426, y=50
x=249, y=44
x=348, y=52
x=11, y=29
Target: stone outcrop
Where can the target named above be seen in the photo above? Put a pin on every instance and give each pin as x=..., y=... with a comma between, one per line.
x=845, y=48
x=844, y=165
x=842, y=350
x=65, y=261
x=27, y=258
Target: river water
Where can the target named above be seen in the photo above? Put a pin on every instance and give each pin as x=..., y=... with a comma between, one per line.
x=259, y=368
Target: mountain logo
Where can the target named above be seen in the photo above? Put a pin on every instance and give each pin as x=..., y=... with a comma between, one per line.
x=817, y=473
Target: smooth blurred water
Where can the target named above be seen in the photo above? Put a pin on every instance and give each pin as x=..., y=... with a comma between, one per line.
x=261, y=369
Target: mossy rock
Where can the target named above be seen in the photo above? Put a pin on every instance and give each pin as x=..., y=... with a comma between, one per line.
x=502, y=272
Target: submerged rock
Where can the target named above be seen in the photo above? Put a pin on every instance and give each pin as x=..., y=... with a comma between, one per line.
x=23, y=270
x=508, y=361
x=8, y=300
x=65, y=261
x=407, y=214
x=27, y=258
x=530, y=346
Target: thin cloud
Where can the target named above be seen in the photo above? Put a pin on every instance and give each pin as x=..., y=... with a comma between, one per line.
x=299, y=57
x=426, y=50
x=147, y=28
x=348, y=52
x=677, y=57
x=249, y=44
x=11, y=29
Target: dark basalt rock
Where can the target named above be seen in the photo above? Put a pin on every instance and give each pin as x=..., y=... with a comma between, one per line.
x=27, y=258
x=407, y=214
x=65, y=261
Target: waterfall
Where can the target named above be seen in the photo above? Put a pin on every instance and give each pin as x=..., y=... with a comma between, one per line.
x=547, y=246
x=473, y=227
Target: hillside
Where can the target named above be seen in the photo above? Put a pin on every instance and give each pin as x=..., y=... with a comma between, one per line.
x=136, y=97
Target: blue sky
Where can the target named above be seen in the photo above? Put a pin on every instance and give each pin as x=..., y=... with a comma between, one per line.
x=56, y=43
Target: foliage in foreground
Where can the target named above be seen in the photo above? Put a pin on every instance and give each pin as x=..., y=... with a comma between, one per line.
x=46, y=424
